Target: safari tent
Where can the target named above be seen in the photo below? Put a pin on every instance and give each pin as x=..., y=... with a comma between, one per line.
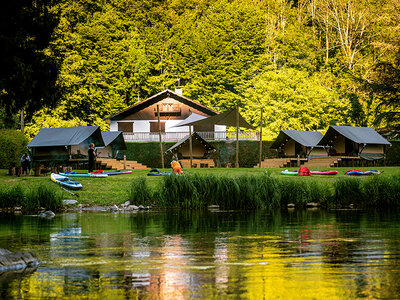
x=113, y=143
x=363, y=142
x=291, y=143
x=200, y=148
x=61, y=144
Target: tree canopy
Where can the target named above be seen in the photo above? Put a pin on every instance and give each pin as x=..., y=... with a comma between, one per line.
x=308, y=63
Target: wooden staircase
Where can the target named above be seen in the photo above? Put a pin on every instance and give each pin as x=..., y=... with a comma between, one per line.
x=322, y=162
x=113, y=164
x=274, y=163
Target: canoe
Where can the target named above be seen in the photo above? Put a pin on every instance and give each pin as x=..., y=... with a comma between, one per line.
x=65, y=181
x=323, y=172
x=291, y=173
x=95, y=175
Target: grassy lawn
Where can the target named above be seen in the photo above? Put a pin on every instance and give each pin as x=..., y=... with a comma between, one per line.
x=114, y=189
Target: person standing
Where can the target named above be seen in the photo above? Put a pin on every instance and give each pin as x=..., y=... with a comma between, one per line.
x=92, y=157
x=26, y=164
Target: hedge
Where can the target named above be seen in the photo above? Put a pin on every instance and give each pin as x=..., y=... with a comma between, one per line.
x=13, y=145
x=149, y=153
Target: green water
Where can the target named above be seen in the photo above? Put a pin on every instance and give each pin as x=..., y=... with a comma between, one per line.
x=342, y=254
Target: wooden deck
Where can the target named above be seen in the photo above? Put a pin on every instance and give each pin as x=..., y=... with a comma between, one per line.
x=316, y=162
x=198, y=163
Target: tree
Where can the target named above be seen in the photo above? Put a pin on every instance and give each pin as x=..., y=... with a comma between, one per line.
x=28, y=73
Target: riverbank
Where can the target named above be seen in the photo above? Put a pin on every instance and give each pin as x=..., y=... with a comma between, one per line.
x=236, y=188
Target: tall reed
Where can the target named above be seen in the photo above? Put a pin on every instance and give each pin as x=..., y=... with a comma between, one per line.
x=47, y=196
x=140, y=193
x=381, y=191
x=43, y=195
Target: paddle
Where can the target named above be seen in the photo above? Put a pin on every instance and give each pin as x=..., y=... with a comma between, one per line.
x=70, y=192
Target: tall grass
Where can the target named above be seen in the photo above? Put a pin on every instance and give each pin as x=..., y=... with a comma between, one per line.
x=43, y=195
x=140, y=193
x=258, y=191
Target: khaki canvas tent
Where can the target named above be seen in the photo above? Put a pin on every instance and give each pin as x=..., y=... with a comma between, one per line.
x=60, y=144
x=291, y=143
x=364, y=142
x=200, y=148
x=113, y=143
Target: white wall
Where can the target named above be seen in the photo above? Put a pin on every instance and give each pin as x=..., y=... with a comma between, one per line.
x=141, y=126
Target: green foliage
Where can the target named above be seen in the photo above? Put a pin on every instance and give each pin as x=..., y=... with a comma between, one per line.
x=292, y=99
x=347, y=191
x=288, y=57
x=149, y=153
x=13, y=145
x=140, y=193
x=179, y=191
x=43, y=195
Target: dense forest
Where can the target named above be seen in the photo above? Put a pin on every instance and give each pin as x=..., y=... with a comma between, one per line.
x=307, y=63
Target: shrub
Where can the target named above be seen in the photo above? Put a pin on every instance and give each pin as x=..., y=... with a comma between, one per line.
x=12, y=146
x=179, y=191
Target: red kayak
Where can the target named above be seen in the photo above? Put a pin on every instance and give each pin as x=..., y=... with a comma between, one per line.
x=323, y=172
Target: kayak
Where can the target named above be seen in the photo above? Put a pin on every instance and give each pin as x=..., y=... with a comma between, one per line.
x=117, y=172
x=359, y=172
x=65, y=181
x=159, y=173
x=323, y=172
x=292, y=173
x=97, y=175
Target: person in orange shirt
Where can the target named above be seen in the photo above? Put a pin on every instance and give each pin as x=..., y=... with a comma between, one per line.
x=176, y=166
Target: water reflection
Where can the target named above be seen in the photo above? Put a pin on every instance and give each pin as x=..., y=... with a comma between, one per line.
x=180, y=255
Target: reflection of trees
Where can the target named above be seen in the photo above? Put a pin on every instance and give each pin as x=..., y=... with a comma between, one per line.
x=180, y=254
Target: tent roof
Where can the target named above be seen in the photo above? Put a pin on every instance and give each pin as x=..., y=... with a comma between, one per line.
x=158, y=97
x=227, y=118
x=359, y=135
x=114, y=137
x=67, y=136
x=192, y=118
x=195, y=135
x=305, y=138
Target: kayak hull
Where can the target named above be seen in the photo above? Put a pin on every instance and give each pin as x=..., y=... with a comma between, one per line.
x=110, y=173
x=94, y=175
x=323, y=172
x=64, y=181
x=290, y=173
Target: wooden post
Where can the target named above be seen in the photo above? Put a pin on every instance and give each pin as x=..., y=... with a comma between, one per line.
x=124, y=162
x=159, y=134
x=261, y=125
x=298, y=160
x=190, y=146
x=237, y=137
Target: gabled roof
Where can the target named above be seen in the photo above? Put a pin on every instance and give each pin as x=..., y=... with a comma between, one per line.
x=114, y=137
x=67, y=136
x=359, y=135
x=305, y=138
x=158, y=97
x=195, y=135
x=227, y=118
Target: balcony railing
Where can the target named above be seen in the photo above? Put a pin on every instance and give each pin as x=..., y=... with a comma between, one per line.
x=176, y=136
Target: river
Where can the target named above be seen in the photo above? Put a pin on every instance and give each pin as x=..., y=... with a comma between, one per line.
x=299, y=254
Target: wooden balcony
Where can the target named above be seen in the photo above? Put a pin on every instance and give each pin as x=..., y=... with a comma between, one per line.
x=176, y=136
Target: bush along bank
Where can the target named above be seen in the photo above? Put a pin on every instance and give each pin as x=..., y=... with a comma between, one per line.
x=32, y=199
x=262, y=191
